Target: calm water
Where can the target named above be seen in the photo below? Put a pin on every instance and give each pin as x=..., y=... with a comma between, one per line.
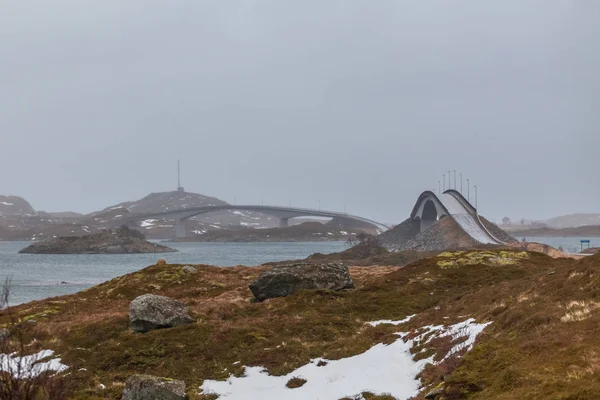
x=36, y=276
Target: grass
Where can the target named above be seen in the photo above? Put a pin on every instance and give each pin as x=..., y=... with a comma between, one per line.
x=296, y=382
x=542, y=342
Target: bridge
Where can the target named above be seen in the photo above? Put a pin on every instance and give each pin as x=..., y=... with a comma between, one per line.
x=431, y=207
x=283, y=213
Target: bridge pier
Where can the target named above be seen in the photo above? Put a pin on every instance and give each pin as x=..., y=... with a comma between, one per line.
x=180, y=230
x=284, y=222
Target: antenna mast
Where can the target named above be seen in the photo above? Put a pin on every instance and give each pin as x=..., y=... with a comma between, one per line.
x=179, y=188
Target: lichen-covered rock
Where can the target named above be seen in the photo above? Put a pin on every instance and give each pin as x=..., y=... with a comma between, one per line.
x=283, y=280
x=147, y=387
x=150, y=311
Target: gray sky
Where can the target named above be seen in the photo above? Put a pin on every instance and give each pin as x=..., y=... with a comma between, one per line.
x=359, y=102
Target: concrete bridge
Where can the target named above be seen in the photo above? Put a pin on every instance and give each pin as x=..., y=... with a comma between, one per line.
x=431, y=208
x=283, y=213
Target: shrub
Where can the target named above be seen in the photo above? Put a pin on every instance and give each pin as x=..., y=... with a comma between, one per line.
x=21, y=378
x=126, y=231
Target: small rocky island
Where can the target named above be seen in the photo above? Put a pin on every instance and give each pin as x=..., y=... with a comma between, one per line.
x=123, y=241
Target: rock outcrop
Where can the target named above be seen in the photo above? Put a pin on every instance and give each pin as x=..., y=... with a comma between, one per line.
x=283, y=280
x=150, y=311
x=148, y=387
x=100, y=243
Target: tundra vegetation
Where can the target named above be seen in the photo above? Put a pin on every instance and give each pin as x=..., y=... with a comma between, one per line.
x=542, y=342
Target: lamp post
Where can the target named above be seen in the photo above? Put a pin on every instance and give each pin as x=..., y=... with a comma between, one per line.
x=468, y=191
x=439, y=187
x=454, y=179
x=449, y=177
x=475, y=186
x=460, y=183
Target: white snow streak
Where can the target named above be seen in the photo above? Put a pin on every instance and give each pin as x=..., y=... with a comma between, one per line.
x=389, y=321
x=148, y=222
x=7, y=204
x=383, y=369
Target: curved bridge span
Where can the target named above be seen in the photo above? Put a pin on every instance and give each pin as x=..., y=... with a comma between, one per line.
x=283, y=213
x=430, y=208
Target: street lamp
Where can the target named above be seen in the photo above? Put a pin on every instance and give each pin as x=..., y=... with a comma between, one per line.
x=439, y=187
x=468, y=191
x=475, y=186
x=460, y=183
x=449, y=177
x=454, y=179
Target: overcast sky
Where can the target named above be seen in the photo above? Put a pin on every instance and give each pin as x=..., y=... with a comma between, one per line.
x=365, y=103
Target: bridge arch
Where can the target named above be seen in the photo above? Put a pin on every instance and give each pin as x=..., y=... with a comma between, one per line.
x=431, y=207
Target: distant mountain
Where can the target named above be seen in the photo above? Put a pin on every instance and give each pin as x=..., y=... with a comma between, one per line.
x=167, y=201
x=573, y=221
x=15, y=205
x=163, y=201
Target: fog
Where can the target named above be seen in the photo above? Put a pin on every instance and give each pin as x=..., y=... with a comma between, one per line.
x=346, y=103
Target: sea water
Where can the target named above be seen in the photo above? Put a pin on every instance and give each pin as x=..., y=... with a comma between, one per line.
x=38, y=276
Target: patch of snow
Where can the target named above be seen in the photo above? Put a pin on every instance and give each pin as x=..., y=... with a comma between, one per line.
x=343, y=232
x=28, y=366
x=383, y=369
x=215, y=226
x=237, y=213
x=202, y=232
x=115, y=208
x=7, y=204
x=86, y=229
x=391, y=322
x=118, y=216
x=249, y=223
x=147, y=222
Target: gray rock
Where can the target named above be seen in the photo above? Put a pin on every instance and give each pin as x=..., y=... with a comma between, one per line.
x=4, y=334
x=190, y=269
x=283, y=280
x=147, y=387
x=150, y=311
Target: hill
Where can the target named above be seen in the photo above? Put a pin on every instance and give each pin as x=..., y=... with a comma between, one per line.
x=573, y=220
x=15, y=205
x=304, y=232
x=18, y=220
x=581, y=231
x=537, y=322
x=167, y=201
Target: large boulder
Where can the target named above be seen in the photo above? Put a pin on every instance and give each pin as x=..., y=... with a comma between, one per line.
x=147, y=387
x=283, y=280
x=150, y=311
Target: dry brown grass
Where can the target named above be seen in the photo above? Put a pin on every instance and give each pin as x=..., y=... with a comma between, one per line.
x=527, y=350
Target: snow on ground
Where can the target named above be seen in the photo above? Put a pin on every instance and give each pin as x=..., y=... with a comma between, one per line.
x=389, y=321
x=215, y=226
x=29, y=366
x=383, y=369
x=147, y=222
x=7, y=204
x=249, y=223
